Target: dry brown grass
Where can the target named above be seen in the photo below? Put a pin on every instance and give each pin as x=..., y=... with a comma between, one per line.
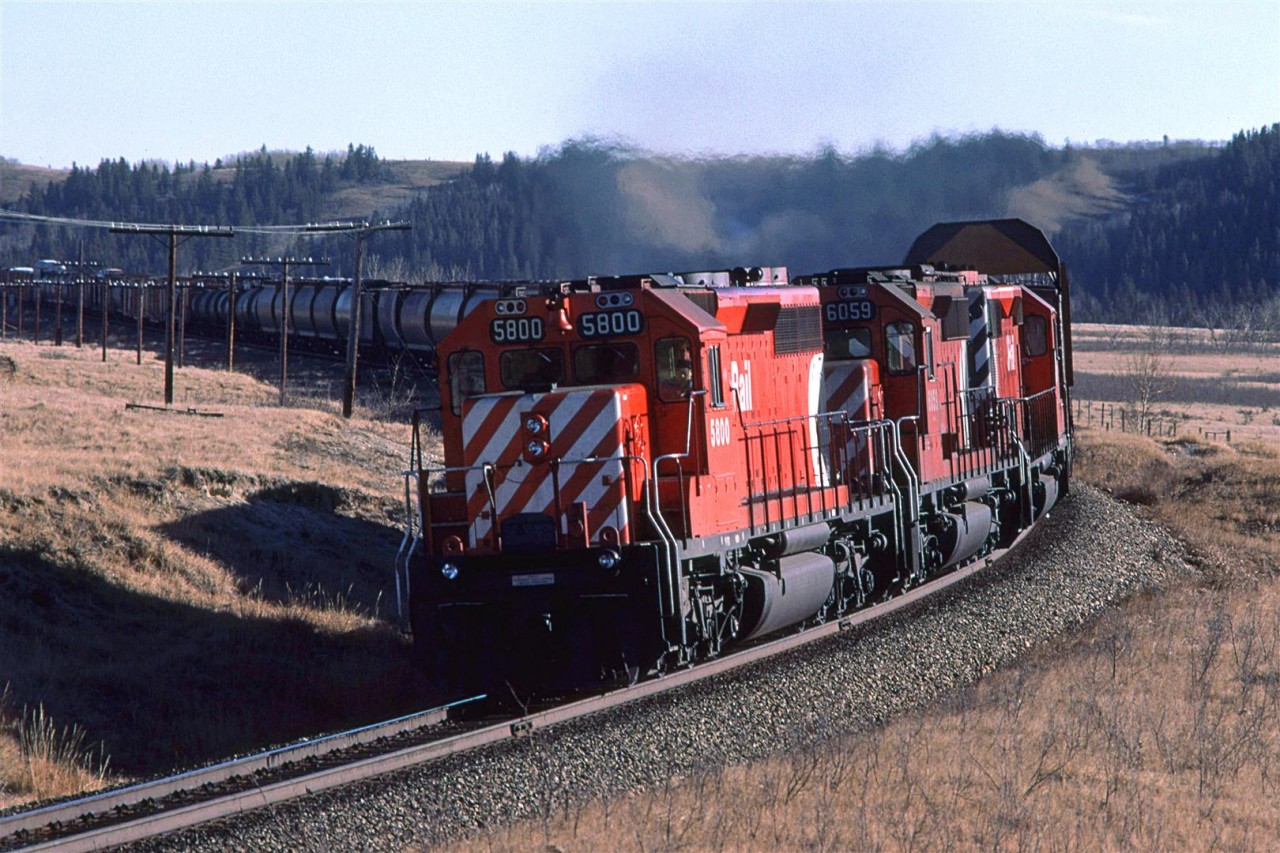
x=1206, y=386
x=408, y=178
x=42, y=759
x=1155, y=731
x=174, y=588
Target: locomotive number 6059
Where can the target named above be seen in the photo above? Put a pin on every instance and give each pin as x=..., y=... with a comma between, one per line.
x=851, y=311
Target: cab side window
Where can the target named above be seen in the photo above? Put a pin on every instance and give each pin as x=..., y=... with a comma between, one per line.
x=674, y=365
x=1035, y=336
x=900, y=342
x=466, y=377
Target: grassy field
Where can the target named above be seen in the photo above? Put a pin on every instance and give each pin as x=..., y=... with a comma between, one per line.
x=1197, y=382
x=176, y=588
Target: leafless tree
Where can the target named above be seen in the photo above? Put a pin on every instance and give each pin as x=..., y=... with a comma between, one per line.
x=1148, y=375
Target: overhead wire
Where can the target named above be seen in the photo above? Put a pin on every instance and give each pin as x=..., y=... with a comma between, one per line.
x=303, y=229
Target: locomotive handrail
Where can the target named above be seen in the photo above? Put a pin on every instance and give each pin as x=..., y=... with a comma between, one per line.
x=653, y=511
x=1024, y=468
x=912, y=504
x=486, y=476
x=413, y=531
x=1032, y=418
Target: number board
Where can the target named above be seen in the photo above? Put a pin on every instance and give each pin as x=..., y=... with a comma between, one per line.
x=602, y=324
x=516, y=330
x=850, y=312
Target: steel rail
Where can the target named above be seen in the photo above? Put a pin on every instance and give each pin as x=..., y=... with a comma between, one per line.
x=96, y=804
x=235, y=804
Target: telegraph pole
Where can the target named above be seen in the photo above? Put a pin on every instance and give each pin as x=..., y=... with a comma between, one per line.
x=106, y=309
x=361, y=233
x=171, y=233
x=231, y=323
x=80, y=300
x=139, y=305
x=284, y=264
x=57, y=313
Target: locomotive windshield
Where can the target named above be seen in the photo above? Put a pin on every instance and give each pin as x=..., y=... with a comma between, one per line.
x=466, y=377
x=845, y=344
x=531, y=368
x=606, y=364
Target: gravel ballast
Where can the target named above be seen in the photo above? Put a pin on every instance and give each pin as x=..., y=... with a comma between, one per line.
x=1091, y=552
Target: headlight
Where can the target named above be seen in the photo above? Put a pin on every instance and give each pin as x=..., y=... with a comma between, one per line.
x=534, y=425
x=609, y=559
x=536, y=448
x=449, y=571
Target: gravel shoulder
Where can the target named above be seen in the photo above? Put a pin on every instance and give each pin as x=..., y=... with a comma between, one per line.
x=1091, y=553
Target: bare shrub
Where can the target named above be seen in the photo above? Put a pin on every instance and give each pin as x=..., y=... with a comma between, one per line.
x=45, y=759
x=1148, y=374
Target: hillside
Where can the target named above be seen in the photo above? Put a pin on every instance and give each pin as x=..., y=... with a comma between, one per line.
x=177, y=588
x=1182, y=230
x=17, y=179
x=394, y=188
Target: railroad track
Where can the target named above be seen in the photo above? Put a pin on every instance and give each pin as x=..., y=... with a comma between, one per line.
x=88, y=823
x=225, y=790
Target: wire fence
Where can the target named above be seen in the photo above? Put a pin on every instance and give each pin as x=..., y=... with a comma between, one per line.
x=1125, y=418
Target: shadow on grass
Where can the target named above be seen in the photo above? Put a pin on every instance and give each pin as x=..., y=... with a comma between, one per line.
x=164, y=685
x=290, y=543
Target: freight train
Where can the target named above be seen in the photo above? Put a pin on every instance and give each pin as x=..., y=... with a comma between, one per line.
x=394, y=317
x=641, y=472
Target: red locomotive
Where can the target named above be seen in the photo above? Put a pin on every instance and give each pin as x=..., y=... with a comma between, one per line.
x=641, y=471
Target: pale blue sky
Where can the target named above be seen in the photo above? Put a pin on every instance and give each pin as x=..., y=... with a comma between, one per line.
x=180, y=81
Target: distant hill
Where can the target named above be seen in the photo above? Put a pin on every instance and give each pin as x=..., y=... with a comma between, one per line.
x=1180, y=225
x=1194, y=239
x=17, y=179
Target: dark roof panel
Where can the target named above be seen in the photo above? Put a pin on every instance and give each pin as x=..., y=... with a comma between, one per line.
x=992, y=246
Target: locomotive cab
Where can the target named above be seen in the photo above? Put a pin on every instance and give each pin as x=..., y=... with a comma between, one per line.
x=643, y=451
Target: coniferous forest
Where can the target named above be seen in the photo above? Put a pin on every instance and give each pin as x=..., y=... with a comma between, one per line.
x=1190, y=233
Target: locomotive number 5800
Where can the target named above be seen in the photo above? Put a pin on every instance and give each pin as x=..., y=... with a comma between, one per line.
x=512, y=330
x=604, y=323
